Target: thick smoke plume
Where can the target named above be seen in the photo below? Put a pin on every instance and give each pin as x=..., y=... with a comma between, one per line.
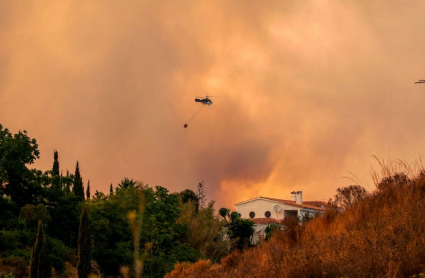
x=307, y=90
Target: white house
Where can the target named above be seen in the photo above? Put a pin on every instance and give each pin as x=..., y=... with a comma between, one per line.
x=264, y=211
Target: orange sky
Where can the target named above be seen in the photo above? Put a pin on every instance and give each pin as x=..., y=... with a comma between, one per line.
x=309, y=91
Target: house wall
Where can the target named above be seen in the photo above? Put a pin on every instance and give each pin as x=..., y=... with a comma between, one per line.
x=260, y=207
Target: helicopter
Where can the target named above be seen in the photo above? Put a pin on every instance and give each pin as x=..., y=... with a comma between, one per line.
x=204, y=101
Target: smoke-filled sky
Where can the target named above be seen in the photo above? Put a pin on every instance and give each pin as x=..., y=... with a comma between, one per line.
x=308, y=91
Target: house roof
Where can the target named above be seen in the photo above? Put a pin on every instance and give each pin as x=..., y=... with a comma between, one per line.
x=304, y=205
x=266, y=221
x=319, y=204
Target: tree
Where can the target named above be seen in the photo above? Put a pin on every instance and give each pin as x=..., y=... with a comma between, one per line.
x=111, y=190
x=78, y=188
x=188, y=195
x=126, y=183
x=16, y=151
x=347, y=197
x=88, y=190
x=40, y=263
x=113, y=240
x=62, y=206
x=224, y=212
x=84, y=246
x=201, y=194
x=33, y=214
x=98, y=196
x=55, y=169
x=204, y=231
x=238, y=229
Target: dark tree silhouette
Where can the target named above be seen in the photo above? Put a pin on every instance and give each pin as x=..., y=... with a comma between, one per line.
x=188, y=195
x=84, y=246
x=40, y=263
x=55, y=169
x=126, y=183
x=201, y=194
x=16, y=151
x=88, y=190
x=78, y=188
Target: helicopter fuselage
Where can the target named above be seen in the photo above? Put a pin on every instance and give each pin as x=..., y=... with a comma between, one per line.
x=204, y=101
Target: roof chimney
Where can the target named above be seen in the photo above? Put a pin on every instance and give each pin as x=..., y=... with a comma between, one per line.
x=299, y=197
x=294, y=196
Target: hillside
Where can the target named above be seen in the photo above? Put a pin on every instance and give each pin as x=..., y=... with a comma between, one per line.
x=380, y=234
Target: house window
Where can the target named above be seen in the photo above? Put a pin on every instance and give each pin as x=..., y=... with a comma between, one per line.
x=252, y=214
x=267, y=214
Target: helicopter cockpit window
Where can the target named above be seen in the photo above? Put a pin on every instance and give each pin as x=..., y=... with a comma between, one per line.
x=252, y=214
x=267, y=214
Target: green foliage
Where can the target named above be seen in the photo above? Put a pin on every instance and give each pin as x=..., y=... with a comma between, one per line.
x=23, y=254
x=204, y=231
x=55, y=169
x=100, y=196
x=88, y=190
x=40, y=262
x=237, y=228
x=270, y=229
x=224, y=212
x=58, y=254
x=126, y=183
x=84, y=245
x=32, y=214
x=78, y=187
x=9, y=211
x=189, y=196
x=65, y=209
x=16, y=151
x=11, y=240
x=113, y=239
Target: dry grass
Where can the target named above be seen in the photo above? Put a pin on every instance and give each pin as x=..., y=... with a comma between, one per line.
x=381, y=236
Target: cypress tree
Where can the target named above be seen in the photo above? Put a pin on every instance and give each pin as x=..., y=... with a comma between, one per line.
x=40, y=262
x=88, y=190
x=78, y=188
x=84, y=246
x=111, y=191
x=55, y=168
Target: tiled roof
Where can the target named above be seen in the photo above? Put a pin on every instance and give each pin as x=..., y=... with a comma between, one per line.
x=319, y=204
x=293, y=203
x=266, y=221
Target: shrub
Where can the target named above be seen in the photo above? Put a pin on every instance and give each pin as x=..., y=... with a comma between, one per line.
x=58, y=253
x=19, y=265
x=18, y=253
